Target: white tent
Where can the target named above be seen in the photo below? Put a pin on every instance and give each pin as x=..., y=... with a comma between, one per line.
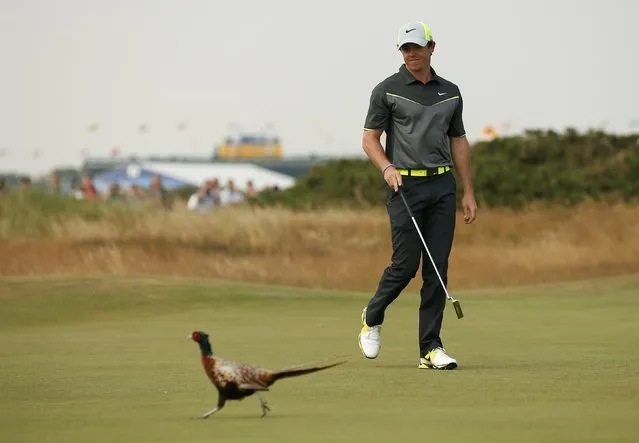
x=197, y=173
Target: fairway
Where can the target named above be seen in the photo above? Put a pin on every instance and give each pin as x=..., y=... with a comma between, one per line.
x=109, y=360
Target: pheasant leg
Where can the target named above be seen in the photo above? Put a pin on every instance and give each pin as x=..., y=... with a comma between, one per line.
x=211, y=412
x=263, y=405
x=220, y=405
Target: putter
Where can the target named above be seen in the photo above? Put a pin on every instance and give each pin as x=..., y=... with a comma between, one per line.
x=456, y=304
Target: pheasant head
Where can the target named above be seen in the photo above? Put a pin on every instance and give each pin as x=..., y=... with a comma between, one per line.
x=202, y=339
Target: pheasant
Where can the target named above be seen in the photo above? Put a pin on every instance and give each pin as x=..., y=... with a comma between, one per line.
x=236, y=381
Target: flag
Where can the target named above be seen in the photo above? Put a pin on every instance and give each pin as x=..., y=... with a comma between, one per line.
x=489, y=132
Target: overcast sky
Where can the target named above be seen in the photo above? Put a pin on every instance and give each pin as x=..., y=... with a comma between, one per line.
x=306, y=68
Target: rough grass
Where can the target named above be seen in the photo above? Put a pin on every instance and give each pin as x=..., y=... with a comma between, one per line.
x=108, y=359
x=322, y=249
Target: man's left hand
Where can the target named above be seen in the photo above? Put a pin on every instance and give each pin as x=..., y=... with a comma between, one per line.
x=470, y=208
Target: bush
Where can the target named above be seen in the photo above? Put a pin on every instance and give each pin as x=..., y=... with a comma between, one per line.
x=538, y=166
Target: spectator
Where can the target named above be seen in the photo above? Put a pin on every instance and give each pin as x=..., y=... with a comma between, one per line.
x=204, y=199
x=215, y=191
x=250, y=190
x=136, y=194
x=230, y=195
x=87, y=190
x=158, y=194
x=25, y=184
x=114, y=193
x=54, y=183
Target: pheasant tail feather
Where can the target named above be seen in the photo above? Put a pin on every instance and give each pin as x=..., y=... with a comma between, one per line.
x=296, y=371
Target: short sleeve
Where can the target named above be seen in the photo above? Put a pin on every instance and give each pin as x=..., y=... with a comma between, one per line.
x=456, y=127
x=378, y=115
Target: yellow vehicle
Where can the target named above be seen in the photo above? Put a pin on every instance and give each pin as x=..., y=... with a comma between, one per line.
x=249, y=146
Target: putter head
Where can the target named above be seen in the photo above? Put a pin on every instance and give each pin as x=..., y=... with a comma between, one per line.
x=458, y=308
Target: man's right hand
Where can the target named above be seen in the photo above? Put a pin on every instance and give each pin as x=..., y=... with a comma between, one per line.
x=393, y=177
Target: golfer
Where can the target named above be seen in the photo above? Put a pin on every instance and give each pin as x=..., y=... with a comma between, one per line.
x=421, y=114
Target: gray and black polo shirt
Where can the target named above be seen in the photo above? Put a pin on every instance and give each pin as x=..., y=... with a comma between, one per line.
x=418, y=119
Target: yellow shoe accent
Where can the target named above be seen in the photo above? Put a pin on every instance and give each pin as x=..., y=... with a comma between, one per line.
x=365, y=327
x=443, y=360
x=369, y=338
x=424, y=363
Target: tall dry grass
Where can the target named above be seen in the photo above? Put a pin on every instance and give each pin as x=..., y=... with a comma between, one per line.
x=328, y=249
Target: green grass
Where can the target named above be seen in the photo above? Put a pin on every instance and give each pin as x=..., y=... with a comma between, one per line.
x=106, y=360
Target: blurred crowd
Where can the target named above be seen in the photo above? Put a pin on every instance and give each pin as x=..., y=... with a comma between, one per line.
x=134, y=194
x=211, y=195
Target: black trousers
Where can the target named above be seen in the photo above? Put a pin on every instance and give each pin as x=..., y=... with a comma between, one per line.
x=432, y=200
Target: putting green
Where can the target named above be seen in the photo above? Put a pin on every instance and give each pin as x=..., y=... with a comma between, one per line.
x=105, y=360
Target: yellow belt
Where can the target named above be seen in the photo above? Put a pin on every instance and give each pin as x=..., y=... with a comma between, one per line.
x=424, y=172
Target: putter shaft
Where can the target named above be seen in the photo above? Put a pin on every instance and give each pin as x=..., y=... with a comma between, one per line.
x=456, y=304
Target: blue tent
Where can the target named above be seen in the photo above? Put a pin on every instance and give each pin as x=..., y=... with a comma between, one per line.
x=128, y=175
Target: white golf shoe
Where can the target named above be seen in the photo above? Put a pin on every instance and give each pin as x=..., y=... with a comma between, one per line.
x=370, y=338
x=437, y=359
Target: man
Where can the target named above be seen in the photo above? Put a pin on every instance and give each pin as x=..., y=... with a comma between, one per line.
x=205, y=199
x=54, y=184
x=88, y=190
x=230, y=195
x=158, y=194
x=421, y=114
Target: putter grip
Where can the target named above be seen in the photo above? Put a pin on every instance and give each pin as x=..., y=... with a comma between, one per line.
x=401, y=194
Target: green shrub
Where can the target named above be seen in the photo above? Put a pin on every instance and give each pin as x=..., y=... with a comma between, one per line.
x=537, y=166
